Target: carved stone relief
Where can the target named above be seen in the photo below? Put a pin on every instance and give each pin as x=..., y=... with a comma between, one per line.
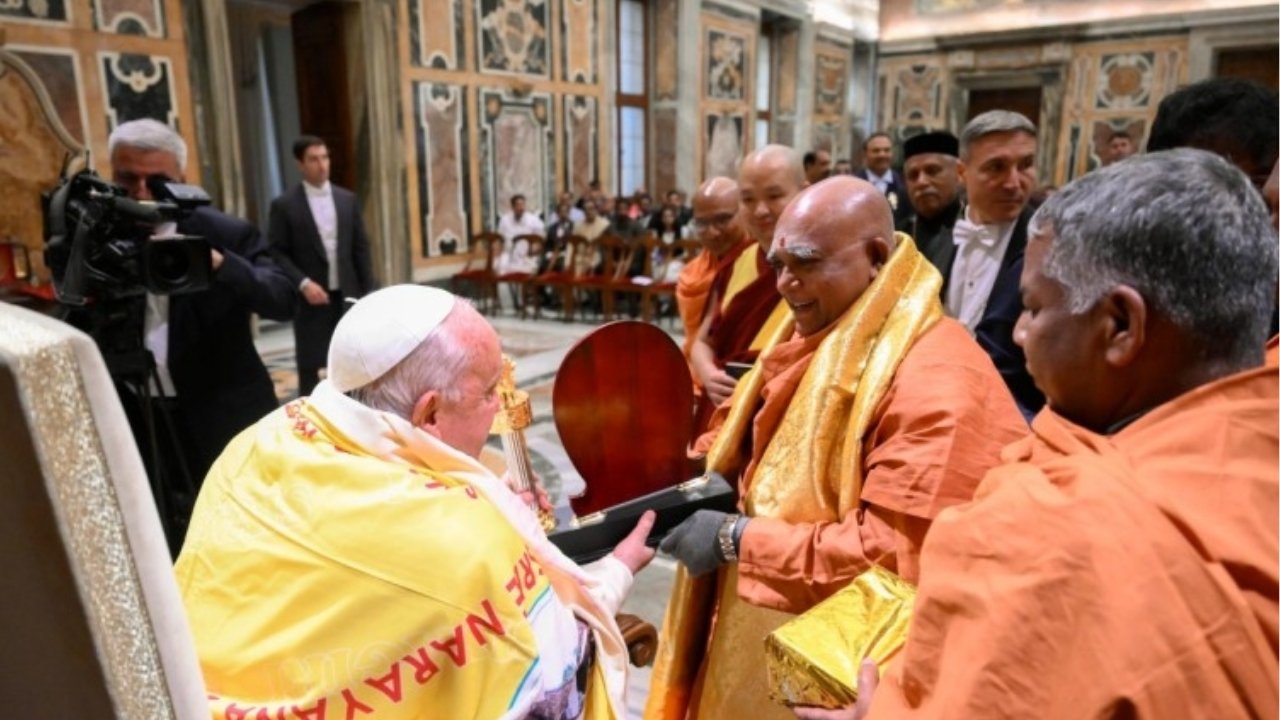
x=512, y=36
x=726, y=65
x=138, y=86
x=129, y=17
x=40, y=11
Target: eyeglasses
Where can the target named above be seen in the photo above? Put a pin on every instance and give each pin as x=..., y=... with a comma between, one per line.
x=718, y=222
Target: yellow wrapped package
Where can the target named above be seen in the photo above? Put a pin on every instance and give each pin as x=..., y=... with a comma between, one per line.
x=814, y=658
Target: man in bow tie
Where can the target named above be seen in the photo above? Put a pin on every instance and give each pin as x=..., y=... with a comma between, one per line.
x=998, y=168
x=318, y=239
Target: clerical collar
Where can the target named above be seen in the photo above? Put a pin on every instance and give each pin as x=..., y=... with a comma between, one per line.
x=314, y=191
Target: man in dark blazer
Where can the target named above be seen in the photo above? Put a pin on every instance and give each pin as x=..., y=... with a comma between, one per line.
x=211, y=382
x=929, y=163
x=318, y=238
x=877, y=161
x=998, y=168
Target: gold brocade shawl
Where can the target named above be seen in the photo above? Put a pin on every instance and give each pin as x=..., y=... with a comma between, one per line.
x=822, y=431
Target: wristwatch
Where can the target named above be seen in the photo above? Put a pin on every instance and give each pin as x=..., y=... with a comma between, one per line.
x=728, y=538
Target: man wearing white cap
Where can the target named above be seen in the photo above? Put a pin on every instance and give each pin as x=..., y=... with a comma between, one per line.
x=348, y=554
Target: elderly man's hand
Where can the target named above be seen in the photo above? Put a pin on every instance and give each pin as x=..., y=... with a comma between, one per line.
x=314, y=294
x=695, y=542
x=868, y=680
x=632, y=551
x=719, y=386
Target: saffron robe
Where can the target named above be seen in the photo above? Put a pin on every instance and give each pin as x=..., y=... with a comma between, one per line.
x=693, y=288
x=846, y=444
x=1131, y=576
x=323, y=577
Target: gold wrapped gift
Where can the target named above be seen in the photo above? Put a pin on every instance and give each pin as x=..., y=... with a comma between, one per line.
x=814, y=658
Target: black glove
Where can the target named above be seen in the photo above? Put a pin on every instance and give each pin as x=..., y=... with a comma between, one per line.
x=695, y=542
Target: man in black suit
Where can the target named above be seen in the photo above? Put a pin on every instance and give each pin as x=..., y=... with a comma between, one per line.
x=877, y=161
x=998, y=169
x=318, y=238
x=212, y=383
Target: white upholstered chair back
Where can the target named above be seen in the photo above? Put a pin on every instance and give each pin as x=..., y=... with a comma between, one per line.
x=92, y=626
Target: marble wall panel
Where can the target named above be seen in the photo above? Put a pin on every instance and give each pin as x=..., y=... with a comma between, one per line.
x=831, y=83
x=665, y=124
x=440, y=122
x=578, y=54
x=130, y=17
x=724, y=137
x=786, y=59
x=580, y=127
x=437, y=41
x=512, y=37
x=917, y=94
x=666, y=72
x=59, y=72
x=726, y=65
x=138, y=86
x=54, y=12
x=517, y=151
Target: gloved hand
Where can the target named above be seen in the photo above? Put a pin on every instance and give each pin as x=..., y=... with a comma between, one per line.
x=695, y=542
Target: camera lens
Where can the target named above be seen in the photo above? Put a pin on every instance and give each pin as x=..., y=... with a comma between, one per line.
x=170, y=266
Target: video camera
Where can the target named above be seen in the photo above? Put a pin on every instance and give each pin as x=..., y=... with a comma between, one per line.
x=99, y=246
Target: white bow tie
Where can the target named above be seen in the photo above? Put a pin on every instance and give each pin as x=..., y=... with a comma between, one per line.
x=966, y=232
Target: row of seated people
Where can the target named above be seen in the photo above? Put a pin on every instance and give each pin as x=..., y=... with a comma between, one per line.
x=576, y=272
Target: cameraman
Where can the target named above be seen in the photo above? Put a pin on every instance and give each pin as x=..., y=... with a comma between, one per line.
x=212, y=381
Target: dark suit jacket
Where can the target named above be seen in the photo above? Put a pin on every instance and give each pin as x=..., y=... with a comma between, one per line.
x=296, y=243
x=995, y=330
x=295, y=240
x=221, y=383
x=898, y=187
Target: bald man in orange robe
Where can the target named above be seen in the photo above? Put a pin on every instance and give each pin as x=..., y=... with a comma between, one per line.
x=1124, y=562
x=719, y=228
x=872, y=413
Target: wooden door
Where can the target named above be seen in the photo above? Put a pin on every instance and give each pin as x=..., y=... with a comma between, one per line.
x=1025, y=100
x=324, y=97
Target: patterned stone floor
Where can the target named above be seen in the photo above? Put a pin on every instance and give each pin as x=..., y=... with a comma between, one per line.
x=538, y=347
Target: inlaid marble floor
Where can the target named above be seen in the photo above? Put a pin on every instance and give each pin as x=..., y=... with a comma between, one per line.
x=538, y=347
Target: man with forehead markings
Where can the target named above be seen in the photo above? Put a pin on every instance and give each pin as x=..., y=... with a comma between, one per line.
x=1123, y=562
x=869, y=413
x=746, y=309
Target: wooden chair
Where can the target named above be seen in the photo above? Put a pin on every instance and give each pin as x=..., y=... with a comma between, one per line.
x=616, y=254
x=560, y=275
x=478, y=272
x=688, y=250
x=521, y=278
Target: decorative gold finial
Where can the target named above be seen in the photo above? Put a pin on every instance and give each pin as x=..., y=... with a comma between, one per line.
x=516, y=412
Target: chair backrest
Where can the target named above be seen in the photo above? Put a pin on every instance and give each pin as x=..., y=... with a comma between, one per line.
x=616, y=253
x=536, y=243
x=93, y=625
x=484, y=248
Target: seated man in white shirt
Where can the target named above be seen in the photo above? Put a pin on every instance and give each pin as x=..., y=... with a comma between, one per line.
x=515, y=256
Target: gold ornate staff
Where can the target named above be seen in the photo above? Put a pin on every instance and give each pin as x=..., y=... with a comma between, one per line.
x=515, y=415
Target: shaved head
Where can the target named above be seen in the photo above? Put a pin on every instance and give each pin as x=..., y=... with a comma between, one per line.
x=769, y=178
x=828, y=247
x=716, y=220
